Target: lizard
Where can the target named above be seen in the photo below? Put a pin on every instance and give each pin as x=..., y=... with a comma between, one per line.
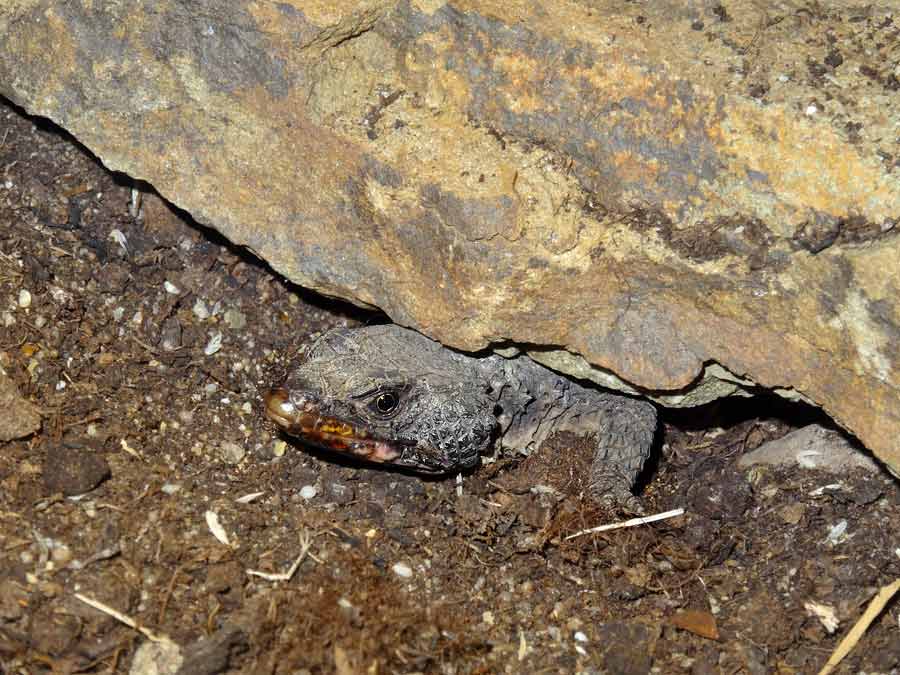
x=390, y=395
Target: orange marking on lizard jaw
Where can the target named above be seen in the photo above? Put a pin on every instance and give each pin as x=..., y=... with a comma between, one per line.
x=336, y=427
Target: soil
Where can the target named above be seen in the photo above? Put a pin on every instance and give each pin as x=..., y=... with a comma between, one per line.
x=145, y=342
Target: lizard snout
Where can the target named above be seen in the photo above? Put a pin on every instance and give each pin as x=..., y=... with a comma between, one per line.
x=280, y=409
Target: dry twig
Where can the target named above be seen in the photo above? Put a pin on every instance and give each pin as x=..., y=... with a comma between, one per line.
x=872, y=611
x=124, y=618
x=643, y=520
x=305, y=543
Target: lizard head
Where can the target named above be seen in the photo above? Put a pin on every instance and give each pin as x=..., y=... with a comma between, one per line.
x=388, y=395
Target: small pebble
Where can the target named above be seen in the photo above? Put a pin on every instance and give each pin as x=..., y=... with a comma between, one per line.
x=580, y=637
x=171, y=288
x=308, y=491
x=59, y=295
x=171, y=334
x=339, y=493
x=235, y=319
x=836, y=533
x=24, y=298
x=201, y=311
x=119, y=237
x=214, y=344
x=73, y=471
x=402, y=570
x=232, y=452
x=278, y=448
x=61, y=555
x=170, y=488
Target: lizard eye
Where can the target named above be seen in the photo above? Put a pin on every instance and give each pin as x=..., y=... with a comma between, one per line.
x=385, y=403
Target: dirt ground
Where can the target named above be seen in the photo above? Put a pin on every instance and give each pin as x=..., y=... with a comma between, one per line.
x=146, y=342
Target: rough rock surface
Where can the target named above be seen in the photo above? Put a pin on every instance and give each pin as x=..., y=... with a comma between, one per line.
x=810, y=447
x=19, y=417
x=656, y=188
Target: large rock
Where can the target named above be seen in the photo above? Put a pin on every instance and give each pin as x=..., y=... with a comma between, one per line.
x=659, y=190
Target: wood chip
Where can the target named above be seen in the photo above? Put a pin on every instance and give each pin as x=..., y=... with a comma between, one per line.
x=696, y=621
x=212, y=521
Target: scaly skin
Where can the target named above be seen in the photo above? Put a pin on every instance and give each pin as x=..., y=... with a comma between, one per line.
x=391, y=395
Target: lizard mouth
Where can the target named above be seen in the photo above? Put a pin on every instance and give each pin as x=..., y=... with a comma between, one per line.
x=303, y=420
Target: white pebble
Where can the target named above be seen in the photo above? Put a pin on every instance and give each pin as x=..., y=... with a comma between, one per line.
x=170, y=488
x=201, y=311
x=811, y=109
x=214, y=344
x=119, y=237
x=171, y=288
x=580, y=637
x=118, y=313
x=308, y=491
x=402, y=570
x=59, y=295
x=24, y=298
x=837, y=532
